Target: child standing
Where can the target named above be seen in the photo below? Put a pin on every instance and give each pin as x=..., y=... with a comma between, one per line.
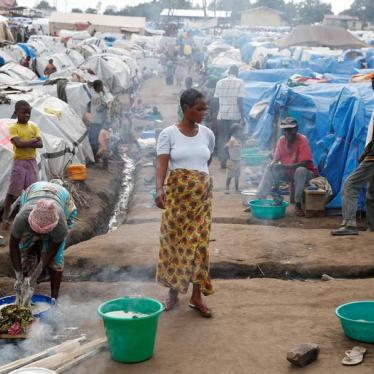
x=234, y=148
x=26, y=138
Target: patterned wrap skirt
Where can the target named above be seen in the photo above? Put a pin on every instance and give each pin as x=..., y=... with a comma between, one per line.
x=185, y=232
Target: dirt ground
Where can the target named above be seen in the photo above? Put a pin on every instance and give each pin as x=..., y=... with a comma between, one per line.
x=256, y=322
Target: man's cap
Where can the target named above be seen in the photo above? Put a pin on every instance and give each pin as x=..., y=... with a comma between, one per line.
x=288, y=123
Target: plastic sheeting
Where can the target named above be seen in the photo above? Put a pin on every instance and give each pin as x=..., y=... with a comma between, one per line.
x=334, y=117
x=112, y=70
x=15, y=74
x=55, y=117
x=78, y=95
x=60, y=60
x=274, y=75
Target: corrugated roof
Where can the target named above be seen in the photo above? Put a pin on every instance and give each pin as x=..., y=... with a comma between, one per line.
x=98, y=19
x=196, y=13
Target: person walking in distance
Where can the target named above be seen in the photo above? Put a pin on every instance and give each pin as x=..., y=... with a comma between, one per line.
x=228, y=96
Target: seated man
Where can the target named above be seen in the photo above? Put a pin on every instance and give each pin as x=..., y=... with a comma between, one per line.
x=292, y=160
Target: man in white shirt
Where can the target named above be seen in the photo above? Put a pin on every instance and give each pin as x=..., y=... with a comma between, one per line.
x=228, y=96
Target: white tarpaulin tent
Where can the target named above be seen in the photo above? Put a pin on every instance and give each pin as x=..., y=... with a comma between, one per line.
x=57, y=118
x=112, y=70
x=6, y=157
x=13, y=73
x=52, y=158
x=78, y=95
x=60, y=60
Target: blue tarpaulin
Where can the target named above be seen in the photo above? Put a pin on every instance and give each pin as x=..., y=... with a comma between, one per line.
x=274, y=75
x=335, y=119
x=27, y=49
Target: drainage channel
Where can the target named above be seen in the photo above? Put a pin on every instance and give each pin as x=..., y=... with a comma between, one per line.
x=127, y=186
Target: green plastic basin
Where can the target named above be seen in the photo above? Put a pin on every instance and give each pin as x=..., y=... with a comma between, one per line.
x=249, y=151
x=131, y=340
x=357, y=320
x=263, y=209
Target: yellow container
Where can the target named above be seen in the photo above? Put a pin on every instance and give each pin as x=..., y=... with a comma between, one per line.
x=76, y=172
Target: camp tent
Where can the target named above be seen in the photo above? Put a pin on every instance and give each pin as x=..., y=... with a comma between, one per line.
x=320, y=36
x=54, y=117
x=77, y=94
x=16, y=74
x=112, y=70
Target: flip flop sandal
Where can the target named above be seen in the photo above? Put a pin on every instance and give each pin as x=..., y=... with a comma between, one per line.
x=354, y=356
x=202, y=310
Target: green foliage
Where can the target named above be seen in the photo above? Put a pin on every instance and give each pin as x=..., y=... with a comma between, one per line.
x=44, y=5
x=363, y=9
x=76, y=10
x=240, y=6
x=91, y=10
x=153, y=9
x=312, y=11
x=274, y=4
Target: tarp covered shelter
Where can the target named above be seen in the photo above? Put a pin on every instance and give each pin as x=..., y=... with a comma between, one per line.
x=54, y=117
x=320, y=36
x=334, y=117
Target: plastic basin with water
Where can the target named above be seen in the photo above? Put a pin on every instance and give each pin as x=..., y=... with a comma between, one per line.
x=34, y=300
x=131, y=340
x=357, y=320
x=265, y=209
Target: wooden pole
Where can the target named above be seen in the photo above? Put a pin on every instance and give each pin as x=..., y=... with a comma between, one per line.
x=64, y=347
x=60, y=359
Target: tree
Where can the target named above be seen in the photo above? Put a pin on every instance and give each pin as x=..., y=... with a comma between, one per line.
x=151, y=11
x=44, y=5
x=91, y=10
x=240, y=6
x=312, y=11
x=274, y=4
x=363, y=9
x=76, y=10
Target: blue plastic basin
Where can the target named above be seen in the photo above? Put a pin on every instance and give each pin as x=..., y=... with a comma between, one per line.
x=35, y=299
x=357, y=320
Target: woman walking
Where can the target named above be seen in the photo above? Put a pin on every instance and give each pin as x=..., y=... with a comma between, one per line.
x=185, y=227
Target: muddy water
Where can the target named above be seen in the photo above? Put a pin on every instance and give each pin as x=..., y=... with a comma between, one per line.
x=127, y=186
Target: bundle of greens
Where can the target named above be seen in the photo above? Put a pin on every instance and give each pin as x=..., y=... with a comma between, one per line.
x=15, y=320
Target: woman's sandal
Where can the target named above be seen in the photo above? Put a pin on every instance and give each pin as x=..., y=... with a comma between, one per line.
x=203, y=310
x=354, y=356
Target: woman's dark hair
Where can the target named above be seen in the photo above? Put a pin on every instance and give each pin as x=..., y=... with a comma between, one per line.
x=189, y=98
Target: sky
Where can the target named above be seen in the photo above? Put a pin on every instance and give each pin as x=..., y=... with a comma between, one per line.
x=66, y=5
